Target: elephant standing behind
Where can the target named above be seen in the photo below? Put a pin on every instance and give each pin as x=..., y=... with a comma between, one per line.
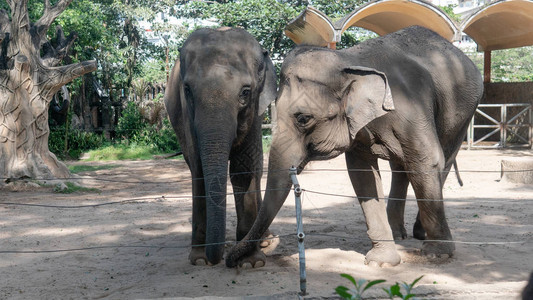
x=215, y=98
x=406, y=97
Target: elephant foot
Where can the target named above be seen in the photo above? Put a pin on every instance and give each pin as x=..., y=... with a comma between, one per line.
x=418, y=231
x=267, y=239
x=256, y=259
x=383, y=256
x=438, y=249
x=197, y=256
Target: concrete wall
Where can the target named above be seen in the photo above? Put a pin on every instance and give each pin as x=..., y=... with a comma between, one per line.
x=508, y=92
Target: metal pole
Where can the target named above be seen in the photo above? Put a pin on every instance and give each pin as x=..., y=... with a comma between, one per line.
x=299, y=229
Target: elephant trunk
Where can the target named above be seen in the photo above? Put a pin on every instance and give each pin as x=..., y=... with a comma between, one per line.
x=214, y=154
x=284, y=153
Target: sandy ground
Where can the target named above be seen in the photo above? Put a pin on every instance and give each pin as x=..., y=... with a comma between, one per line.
x=138, y=249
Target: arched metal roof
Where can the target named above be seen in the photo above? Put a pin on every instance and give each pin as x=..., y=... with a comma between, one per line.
x=500, y=25
x=385, y=16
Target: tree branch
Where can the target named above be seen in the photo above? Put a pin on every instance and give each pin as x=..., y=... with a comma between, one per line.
x=59, y=76
x=53, y=56
x=51, y=12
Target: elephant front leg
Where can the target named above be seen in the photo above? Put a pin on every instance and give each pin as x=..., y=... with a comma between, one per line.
x=246, y=168
x=197, y=255
x=396, y=202
x=368, y=187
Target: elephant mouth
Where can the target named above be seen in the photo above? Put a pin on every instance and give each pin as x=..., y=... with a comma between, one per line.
x=301, y=166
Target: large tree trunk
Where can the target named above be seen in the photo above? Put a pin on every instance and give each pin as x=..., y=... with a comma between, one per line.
x=27, y=85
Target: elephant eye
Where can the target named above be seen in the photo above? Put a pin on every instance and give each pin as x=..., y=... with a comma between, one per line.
x=303, y=119
x=187, y=91
x=245, y=93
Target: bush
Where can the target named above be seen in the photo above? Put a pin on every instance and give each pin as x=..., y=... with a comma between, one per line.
x=130, y=122
x=77, y=142
x=163, y=140
x=135, y=139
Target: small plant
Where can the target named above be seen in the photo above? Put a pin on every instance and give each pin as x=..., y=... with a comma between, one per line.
x=360, y=287
x=395, y=290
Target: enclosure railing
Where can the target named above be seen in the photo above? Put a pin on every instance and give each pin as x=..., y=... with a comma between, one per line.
x=501, y=126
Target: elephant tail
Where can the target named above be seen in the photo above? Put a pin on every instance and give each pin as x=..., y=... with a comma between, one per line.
x=459, y=180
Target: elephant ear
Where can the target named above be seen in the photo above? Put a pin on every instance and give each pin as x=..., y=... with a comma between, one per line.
x=173, y=103
x=270, y=87
x=367, y=96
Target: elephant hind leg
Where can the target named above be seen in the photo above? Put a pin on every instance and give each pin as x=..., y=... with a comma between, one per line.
x=426, y=176
x=396, y=202
x=418, y=230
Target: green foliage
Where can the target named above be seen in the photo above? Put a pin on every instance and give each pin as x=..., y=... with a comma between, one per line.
x=337, y=9
x=264, y=19
x=512, y=65
x=509, y=65
x=448, y=9
x=395, y=290
x=130, y=123
x=132, y=129
x=360, y=287
x=77, y=142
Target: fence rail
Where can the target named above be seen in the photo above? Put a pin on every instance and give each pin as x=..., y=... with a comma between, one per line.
x=501, y=126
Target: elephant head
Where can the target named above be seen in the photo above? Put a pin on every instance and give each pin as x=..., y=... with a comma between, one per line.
x=217, y=93
x=322, y=104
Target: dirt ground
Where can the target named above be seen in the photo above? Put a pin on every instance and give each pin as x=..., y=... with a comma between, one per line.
x=92, y=245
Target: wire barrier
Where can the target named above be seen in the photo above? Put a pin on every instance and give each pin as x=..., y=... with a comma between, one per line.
x=148, y=200
x=8, y=179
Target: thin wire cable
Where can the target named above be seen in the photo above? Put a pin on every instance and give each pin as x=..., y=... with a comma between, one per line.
x=415, y=199
x=254, y=172
x=478, y=243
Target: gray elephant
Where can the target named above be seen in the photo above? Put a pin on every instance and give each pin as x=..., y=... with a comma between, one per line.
x=215, y=98
x=406, y=97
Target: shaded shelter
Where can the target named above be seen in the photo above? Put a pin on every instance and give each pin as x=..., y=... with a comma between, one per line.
x=501, y=24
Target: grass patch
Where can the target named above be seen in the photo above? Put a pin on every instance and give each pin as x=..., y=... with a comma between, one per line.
x=86, y=168
x=73, y=188
x=121, y=152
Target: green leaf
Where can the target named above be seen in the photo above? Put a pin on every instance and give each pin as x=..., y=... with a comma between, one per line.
x=343, y=292
x=395, y=290
x=349, y=277
x=416, y=281
x=372, y=283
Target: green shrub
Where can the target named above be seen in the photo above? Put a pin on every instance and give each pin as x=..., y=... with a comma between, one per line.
x=360, y=287
x=77, y=142
x=163, y=140
x=130, y=122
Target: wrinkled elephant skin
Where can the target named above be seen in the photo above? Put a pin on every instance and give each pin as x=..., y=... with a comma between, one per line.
x=406, y=97
x=215, y=97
